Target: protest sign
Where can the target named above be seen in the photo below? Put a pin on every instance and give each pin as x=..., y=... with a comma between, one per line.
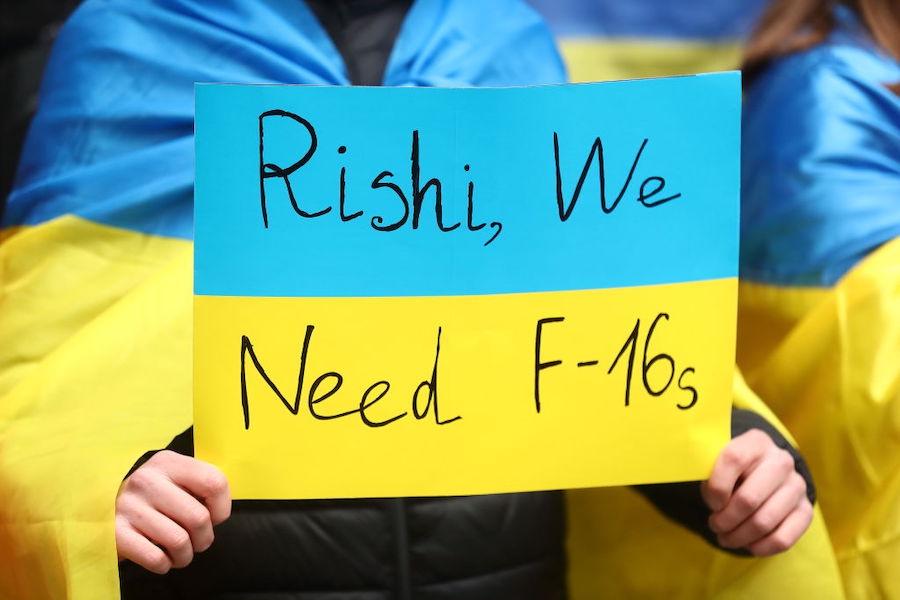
x=409, y=291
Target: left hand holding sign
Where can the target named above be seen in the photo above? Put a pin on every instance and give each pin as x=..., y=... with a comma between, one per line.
x=758, y=499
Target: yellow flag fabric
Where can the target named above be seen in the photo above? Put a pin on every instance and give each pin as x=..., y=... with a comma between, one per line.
x=827, y=361
x=603, y=59
x=96, y=330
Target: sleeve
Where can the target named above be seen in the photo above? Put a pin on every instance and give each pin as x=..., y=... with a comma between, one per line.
x=183, y=443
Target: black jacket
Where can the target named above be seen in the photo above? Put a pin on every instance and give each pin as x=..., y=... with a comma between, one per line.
x=470, y=548
x=485, y=547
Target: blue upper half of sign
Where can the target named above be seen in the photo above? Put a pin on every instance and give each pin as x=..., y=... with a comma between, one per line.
x=355, y=191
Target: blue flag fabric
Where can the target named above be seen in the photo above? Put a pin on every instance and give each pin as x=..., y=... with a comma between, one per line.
x=113, y=139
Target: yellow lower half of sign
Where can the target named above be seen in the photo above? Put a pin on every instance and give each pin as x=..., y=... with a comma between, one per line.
x=417, y=396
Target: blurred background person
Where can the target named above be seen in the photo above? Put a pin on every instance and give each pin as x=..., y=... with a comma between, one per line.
x=819, y=333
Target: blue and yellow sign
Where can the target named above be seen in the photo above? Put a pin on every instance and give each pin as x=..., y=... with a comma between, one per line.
x=414, y=291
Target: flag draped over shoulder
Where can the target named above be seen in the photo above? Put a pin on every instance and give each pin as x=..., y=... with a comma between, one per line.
x=95, y=282
x=95, y=265
x=819, y=322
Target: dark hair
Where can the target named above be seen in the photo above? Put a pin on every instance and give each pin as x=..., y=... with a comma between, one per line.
x=789, y=26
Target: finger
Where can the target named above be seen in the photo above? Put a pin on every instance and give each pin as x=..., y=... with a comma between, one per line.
x=161, y=530
x=202, y=480
x=133, y=546
x=787, y=533
x=167, y=534
x=738, y=456
x=758, y=485
x=163, y=495
x=186, y=511
x=769, y=516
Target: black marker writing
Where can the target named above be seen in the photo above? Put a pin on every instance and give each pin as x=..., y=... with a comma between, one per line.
x=412, y=203
x=424, y=399
x=565, y=208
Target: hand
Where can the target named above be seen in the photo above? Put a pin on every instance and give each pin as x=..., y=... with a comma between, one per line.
x=166, y=510
x=757, y=498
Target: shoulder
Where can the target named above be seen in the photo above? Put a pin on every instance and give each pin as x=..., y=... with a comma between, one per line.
x=832, y=94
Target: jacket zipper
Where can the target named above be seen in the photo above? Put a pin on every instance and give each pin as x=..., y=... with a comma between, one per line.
x=401, y=536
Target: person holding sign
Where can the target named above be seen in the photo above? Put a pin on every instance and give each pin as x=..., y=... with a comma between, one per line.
x=104, y=199
x=756, y=494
